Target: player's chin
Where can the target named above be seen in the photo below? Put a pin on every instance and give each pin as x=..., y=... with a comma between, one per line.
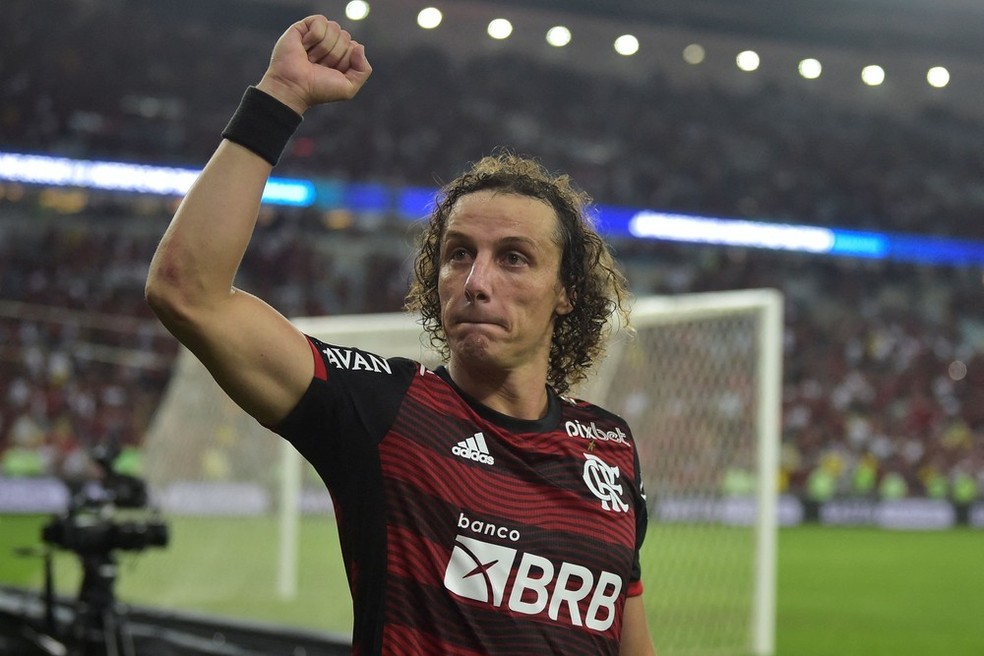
x=472, y=345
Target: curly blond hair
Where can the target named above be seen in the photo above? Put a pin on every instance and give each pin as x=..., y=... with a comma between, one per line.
x=594, y=285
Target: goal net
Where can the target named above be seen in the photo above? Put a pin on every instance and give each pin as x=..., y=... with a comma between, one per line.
x=698, y=382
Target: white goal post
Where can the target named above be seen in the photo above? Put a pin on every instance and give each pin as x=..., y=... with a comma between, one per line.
x=699, y=384
x=763, y=309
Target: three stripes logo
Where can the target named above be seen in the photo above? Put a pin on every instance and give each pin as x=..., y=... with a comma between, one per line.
x=474, y=448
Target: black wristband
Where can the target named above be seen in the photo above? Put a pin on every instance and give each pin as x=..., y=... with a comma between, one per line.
x=262, y=124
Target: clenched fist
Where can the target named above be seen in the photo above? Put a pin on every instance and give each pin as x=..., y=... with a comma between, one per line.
x=315, y=61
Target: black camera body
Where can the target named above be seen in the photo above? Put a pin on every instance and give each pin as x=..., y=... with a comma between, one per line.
x=90, y=534
x=90, y=527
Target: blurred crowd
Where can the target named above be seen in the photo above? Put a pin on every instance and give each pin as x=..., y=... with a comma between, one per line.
x=883, y=374
x=884, y=363
x=83, y=361
x=155, y=82
x=883, y=377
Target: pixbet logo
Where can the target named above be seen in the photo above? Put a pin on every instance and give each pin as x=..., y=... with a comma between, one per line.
x=484, y=572
x=592, y=432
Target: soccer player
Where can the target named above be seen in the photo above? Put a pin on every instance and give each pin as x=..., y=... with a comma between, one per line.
x=479, y=510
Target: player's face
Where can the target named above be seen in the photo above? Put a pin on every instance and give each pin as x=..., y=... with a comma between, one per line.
x=499, y=281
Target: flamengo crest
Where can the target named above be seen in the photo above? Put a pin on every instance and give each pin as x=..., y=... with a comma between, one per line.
x=602, y=480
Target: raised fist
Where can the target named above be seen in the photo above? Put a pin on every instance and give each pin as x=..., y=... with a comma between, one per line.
x=315, y=61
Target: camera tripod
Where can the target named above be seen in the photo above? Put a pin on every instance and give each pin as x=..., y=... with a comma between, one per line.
x=99, y=626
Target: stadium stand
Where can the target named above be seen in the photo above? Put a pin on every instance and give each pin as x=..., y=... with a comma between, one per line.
x=785, y=152
x=884, y=361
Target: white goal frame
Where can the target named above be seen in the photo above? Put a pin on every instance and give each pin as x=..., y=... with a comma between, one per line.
x=767, y=304
x=402, y=336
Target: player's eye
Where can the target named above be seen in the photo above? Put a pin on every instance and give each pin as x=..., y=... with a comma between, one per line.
x=457, y=254
x=515, y=259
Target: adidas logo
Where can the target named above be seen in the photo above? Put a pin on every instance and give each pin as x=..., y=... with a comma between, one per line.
x=474, y=448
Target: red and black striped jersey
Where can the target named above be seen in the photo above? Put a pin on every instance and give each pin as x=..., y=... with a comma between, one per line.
x=466, y=531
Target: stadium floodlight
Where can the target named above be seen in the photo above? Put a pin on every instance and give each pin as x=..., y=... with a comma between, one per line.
x=627, y=45
x=429, y=18
x=938, y=77
x=873, y=75
x=558, y=36
x=748, y=60
x=357, y=10
x=500, y=28
x=810, y=68
x=694, y=54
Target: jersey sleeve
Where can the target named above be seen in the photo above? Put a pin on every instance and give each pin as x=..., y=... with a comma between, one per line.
x=348, y=407
x=642, y=524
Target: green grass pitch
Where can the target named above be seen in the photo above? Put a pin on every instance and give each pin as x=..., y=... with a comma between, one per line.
x=841, y=591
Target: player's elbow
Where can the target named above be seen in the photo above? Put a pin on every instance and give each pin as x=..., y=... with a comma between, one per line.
x=171, y=296
x=165, y=301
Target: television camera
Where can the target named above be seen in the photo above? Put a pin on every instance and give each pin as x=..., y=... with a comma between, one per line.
x=91, y=527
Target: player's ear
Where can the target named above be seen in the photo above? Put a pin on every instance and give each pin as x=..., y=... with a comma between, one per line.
x=564, y=303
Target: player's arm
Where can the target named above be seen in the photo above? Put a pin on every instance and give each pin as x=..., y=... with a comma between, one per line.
x=636, y=640
x=262, y=361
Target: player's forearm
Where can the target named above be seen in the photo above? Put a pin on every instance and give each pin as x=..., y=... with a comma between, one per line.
x=636, y=640
x=196, y=261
